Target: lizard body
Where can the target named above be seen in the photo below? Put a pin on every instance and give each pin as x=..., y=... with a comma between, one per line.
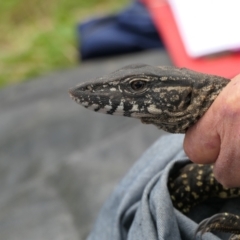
x=172, y=99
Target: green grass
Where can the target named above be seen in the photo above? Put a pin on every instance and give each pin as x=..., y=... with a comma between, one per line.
x=40, y=36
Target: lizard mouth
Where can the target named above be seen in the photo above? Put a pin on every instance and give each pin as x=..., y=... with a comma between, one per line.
x=98, y=102
x=103, y=103
x=82, y=100
x=77, y=97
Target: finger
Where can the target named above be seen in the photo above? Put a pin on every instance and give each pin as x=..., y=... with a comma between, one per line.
x=227, y=166
x=202, y=141
x=216, y=136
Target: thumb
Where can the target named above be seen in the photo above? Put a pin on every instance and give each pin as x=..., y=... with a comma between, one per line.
x=202, y=141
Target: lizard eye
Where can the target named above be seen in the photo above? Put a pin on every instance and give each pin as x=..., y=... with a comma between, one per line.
x=138, y=85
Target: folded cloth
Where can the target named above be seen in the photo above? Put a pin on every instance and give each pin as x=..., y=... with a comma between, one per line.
x=140, y=208
x=129, y=31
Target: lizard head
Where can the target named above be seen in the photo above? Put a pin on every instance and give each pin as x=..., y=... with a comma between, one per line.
x=136, y=91
x=163, y=96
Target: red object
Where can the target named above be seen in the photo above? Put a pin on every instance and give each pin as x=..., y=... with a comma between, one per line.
x=226, y=65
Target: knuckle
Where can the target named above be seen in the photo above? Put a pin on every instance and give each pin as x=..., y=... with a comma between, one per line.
x=222, y=177
x=228, y=104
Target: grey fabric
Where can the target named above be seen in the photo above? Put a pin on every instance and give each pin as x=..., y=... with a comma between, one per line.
x=140, y=207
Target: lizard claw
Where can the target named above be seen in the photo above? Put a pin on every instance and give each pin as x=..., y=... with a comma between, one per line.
x=223, y=222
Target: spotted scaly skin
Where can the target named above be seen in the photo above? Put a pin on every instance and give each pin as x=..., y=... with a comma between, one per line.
x=172, y=99
x=224, y=222
x=191, y=184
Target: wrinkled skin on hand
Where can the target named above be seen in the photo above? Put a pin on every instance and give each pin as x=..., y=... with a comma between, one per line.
x=215, y=138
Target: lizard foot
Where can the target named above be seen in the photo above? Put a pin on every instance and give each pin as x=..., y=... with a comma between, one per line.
x=223, y=222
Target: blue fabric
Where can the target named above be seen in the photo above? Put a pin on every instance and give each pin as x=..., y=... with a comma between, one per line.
x=130, y=31
x=140, y=208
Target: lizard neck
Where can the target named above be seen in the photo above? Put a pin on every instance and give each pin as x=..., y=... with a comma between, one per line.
x=201, y=97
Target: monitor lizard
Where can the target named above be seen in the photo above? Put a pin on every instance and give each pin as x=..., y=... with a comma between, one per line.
x=173, y=99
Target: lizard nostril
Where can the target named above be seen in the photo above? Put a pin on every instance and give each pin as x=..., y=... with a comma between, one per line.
x=85, y=88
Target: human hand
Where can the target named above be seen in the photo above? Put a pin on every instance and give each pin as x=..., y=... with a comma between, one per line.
x=215, y=138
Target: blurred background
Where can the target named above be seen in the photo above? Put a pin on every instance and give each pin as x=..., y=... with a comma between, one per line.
x=41, y=36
